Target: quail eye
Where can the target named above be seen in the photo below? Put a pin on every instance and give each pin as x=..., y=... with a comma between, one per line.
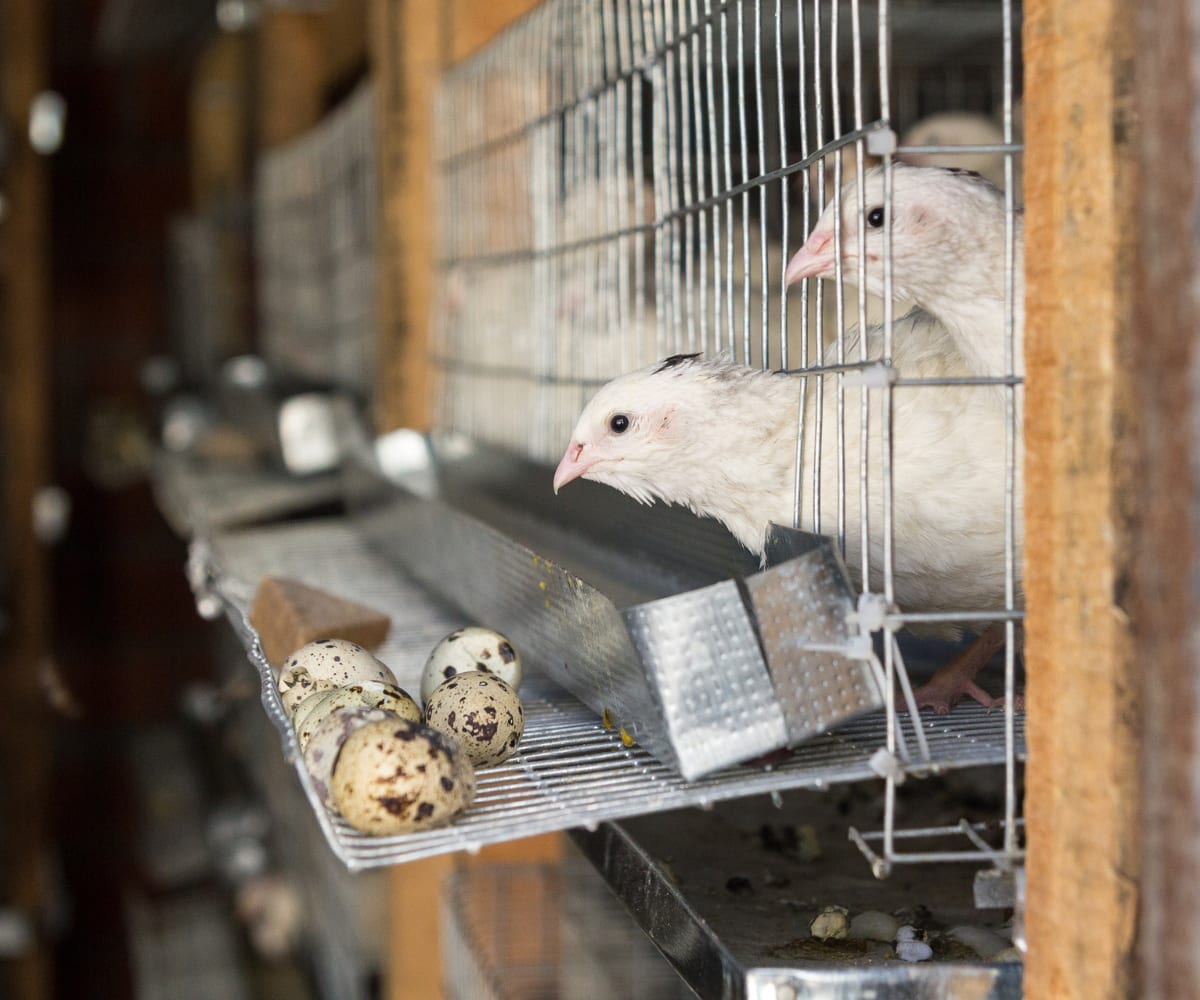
x=619, y=423
x=875, y=217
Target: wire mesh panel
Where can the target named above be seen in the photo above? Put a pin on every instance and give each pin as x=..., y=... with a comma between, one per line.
x=625, y=181
x=315, y=240
x=209, y=288
x=500, y=932
x=518, y=932
x=344, y=914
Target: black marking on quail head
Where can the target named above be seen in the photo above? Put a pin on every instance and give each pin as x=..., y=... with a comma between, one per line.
x=674, y=361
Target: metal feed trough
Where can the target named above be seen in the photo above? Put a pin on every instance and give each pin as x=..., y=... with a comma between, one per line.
x=702, y=677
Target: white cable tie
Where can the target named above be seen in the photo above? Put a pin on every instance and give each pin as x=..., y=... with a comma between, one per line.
x=874, y=376
x=881, y=142
x=887, y=766
x=872, y=613
x=859, y=647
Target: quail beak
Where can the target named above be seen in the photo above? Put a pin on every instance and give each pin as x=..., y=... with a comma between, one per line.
x=570, y=467
x=813, y=260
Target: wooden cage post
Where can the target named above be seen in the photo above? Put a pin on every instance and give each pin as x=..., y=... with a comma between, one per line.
x=220, y=123
x=408, y=41
x=292, y=60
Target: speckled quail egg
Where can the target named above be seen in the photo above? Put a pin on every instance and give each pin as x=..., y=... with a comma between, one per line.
x=373, y=694
x=482, y=712
x=301, y=685
x=324, y=664
x=327, y=740
x=401, y=776
x=467, y=649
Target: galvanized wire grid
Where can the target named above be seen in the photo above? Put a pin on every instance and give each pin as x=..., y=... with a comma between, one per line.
x=621, y=181
x=526, y=931
x=314, y=206
x=500, y=932
x=345, y=913
x=208, y=287
x=185, y=947
x=569, y=770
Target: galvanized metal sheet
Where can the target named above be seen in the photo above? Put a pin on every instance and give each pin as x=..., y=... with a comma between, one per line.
x=683, y=675
x=699, y=651
x=802, y=607
x=579, y=635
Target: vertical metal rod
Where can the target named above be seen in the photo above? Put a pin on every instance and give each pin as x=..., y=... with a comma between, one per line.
x=764, y=280
x=839, y=304
x=572, y=260
x=557, y=162
x=780, y=104
x=715, y=167
x=612, y=328
x=886, y=405
x=645, y=329
x=685, y=166
x=703, y=111
x=1010, y=456
x=889, y=798
x=801, y=420
x=864, y=522
x=625, y=312
x=818, y=451
x=662, y=202
x=727, y=144
x=673, y=171
x=888, y=306
x=745, y=154
x=581, y=259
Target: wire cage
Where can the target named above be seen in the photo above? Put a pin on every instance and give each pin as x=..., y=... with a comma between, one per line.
x=314, y=202
x=519, y=932
x=209, y=290
x=624, y=181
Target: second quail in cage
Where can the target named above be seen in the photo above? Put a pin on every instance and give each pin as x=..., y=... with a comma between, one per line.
x=950, y=255
x=947, y=256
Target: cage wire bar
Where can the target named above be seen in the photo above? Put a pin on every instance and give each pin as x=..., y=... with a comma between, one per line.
x=619, y=181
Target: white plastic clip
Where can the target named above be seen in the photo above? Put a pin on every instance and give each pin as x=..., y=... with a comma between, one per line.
x=875, y=376
x=872, y=612
x=859, y=647
x=887, y=765
x=881, y=142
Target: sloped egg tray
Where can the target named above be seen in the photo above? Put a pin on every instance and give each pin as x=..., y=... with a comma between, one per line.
x=674, y=679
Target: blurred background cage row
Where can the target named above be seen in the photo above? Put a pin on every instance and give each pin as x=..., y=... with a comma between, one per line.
x=314, y=228
x=462, y=218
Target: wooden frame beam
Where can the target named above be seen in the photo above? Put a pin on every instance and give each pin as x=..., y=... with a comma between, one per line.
x=408, y=39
